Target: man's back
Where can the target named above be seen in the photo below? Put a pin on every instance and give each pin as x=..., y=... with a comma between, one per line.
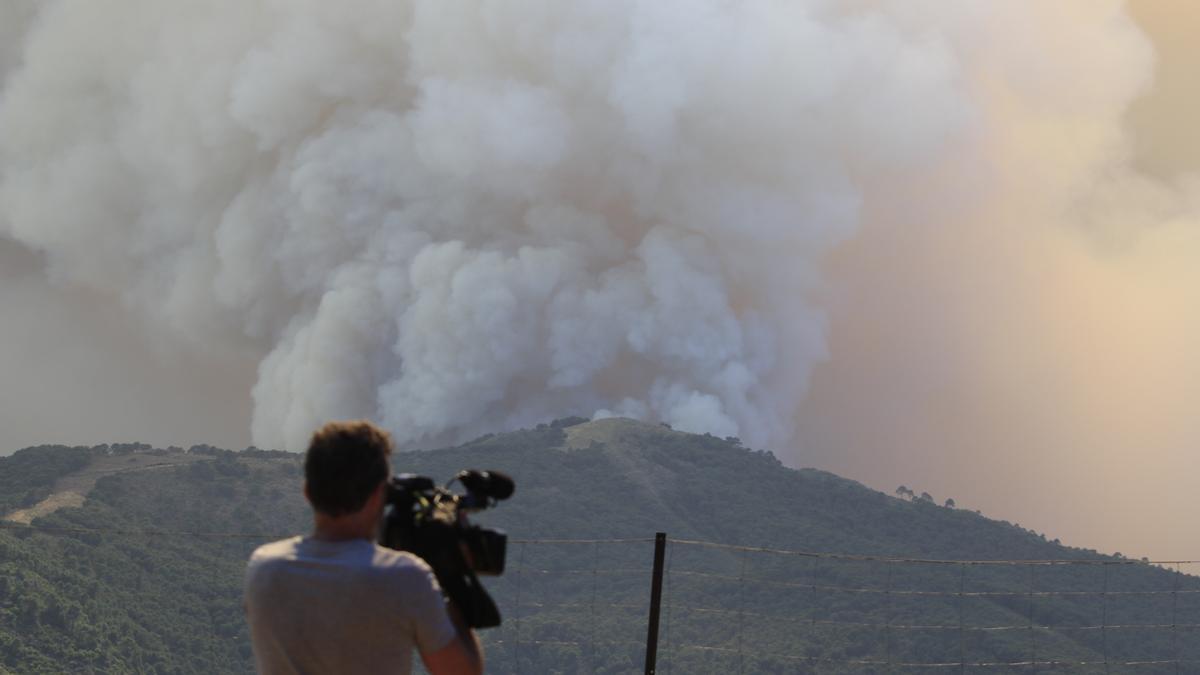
x=347, y=607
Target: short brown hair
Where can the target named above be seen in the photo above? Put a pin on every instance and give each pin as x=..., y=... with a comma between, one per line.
x=345, y=462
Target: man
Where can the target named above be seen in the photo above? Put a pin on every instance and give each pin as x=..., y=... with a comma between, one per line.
x=335, y=602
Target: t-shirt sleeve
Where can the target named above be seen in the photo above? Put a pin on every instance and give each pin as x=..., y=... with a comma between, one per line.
x=434, y=629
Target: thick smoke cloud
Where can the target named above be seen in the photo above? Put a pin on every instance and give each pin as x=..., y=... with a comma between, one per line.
x=902, y=239
x=462, y=216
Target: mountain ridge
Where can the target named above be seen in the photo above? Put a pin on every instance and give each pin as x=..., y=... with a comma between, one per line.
x=621, y=439
x=145, y=575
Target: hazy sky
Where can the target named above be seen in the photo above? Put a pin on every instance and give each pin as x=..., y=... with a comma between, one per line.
x=81, y=371
x=1045, y=378
x=1023, y=358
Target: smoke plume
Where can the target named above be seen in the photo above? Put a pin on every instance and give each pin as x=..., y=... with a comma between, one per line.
x=462, y=216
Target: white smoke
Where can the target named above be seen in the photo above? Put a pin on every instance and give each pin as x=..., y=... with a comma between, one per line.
x=459, y=216
x=462, y=216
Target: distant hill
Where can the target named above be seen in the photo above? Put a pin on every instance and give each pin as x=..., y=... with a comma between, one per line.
x=132, y=559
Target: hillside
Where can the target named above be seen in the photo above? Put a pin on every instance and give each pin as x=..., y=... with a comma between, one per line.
x=140, y=570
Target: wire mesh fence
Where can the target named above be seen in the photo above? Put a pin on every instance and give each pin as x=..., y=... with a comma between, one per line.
x=572, y=606
x=746, y=609
x=581, y=606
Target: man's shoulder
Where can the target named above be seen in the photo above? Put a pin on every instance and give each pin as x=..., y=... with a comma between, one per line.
x=401, y=562
x=283, y=549
x=357, y=554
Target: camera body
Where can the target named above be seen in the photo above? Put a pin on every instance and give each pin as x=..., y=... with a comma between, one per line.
x=431, y=523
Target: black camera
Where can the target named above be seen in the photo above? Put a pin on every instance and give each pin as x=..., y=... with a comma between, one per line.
x=431, y=522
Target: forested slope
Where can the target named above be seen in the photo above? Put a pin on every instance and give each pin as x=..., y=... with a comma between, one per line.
x=145, y=576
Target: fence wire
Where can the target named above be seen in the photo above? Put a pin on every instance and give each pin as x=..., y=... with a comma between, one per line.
x=581, y=606
x=757, y=609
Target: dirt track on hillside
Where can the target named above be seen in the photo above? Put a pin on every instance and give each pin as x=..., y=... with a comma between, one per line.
x=71, y=490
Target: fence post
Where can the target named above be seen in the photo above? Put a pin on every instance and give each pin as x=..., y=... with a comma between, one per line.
x=660, y=548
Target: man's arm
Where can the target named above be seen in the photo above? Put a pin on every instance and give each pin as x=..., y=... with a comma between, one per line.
x=463, y=656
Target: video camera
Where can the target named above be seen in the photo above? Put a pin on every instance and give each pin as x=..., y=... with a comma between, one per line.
x=431, y=522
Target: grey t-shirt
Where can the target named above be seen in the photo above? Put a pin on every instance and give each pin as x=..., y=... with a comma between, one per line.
x=341, y=607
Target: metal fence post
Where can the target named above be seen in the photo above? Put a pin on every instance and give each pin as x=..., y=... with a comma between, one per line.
x=660, y=548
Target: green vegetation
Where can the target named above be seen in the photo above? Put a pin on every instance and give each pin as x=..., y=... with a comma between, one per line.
x=134, y=581
x=27, y=476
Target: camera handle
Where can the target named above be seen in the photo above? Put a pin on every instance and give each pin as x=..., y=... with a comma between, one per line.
x=471, y=598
